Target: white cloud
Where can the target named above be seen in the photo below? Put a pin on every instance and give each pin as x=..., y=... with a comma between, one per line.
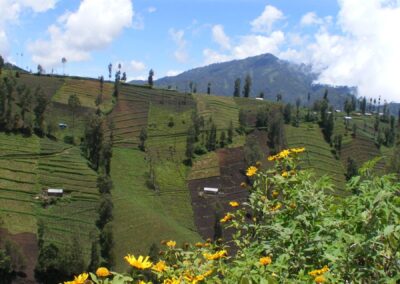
x=136, y=66
x=265, y=22
x=77, y=34
x=310, y=19
x=366, y=54
x=220, y=37
x=177, y=36
x=138, y=23
x=11, y=10
x=171, y=73
x=151, y=9
x=248, y=45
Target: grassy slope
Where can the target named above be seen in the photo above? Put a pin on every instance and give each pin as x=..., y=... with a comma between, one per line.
x=141, y=217
x=318, y=155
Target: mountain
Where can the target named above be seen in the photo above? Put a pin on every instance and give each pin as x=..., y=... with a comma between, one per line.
x=269, y=75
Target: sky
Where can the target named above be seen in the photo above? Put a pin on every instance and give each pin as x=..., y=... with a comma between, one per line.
x=348, y=42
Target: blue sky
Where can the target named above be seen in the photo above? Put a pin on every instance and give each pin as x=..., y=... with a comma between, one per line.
x=351, y=42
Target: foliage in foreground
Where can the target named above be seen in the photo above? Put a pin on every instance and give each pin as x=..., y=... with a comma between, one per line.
x=291, y=230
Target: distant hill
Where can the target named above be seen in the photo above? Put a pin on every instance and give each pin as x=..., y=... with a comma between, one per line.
x=269, y=75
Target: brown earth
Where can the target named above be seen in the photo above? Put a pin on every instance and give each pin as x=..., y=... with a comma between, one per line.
x=27, y=242
x=209, y=208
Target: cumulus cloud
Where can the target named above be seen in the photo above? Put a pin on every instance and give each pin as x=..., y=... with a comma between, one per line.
x=11, y=10
x=248, y=45
x=265, y=22
x=220, y=37
x=136, y=66
x=77, y=34
x=366, y=53
x=310, y=19
x=178, y=36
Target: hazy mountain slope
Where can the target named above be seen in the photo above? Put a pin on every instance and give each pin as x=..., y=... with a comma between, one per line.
x=269, y=74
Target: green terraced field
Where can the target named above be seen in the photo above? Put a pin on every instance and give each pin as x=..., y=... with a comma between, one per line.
x=87, y=91
x=30, y=165
x=318, y=154
x=141, y=215
x=205, y=166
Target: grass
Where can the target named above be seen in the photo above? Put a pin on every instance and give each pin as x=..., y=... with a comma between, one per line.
x=205, y=166
x=318, y=154
x=141, y=215
x=18, y=177
x=87, y=91
x=49, y=85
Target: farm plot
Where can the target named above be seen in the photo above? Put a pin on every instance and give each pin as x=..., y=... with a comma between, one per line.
x=361, y=149
x=143, y=216
x=223, y=110
x=74, y=214
x=49, y=85
x=18, y=177
x=318, y=155
x=87, y=91
x=205, y=166
x=209, y=208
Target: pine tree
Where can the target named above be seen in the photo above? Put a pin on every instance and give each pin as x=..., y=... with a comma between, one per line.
x=222, y=139
x=150, y=78
x=287, y=113
x=230, y=133
x=236, y=92
x=247, y=86
x=212, y=138
x=142, y=139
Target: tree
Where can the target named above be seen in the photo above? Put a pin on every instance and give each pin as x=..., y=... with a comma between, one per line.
x=337, y=144
x=105, y=158
x=105, y=211
x=348, y=107
x=150, y=78
x=109, y=70
x=352, y=168
x=25, y=101
x=363, y=105
x=209, y=88
x=1, y=63
x=93, y=140
x=262, y=117
x=230, y=133
x=275, y=132
x=142, y=138
x=212, y=138
x=104, y=184
x=279, y=97
x=222, y=139
x=247, y=86
x=236, y=92
x=42, y=103
x=123, y=78
x=40, y=70
x=63, y=61
x=73, y=103
x=99, y=99
x=328, y=127
x=261, y=95
x=287, y=113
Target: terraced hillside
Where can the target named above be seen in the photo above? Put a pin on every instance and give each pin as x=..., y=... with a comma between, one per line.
x=75, y=214
x=318, y=153
x=87, y=91
x=49, y=85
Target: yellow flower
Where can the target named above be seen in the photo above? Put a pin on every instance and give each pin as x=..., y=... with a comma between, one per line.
x=139, y=263
x=243, y=185
x=265, y=260
x=102, y=272
x=297, y=150
x=217, y=255
x=272, y=158
x=285, y=174
x=172, y=281
x=159, y=266
x=251, y=171
x=69, y=282
x=171, y=244
x=234, y=204
x=81, y=278
x=258, y=164
x=275, y=194
x=198, y=244
x=276, y=207
x=292, y=205
x=320, y=279
x=319, y=271
x=226, y=218
x=263, y=198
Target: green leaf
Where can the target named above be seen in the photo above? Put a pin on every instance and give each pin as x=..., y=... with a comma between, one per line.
x=388, y=230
